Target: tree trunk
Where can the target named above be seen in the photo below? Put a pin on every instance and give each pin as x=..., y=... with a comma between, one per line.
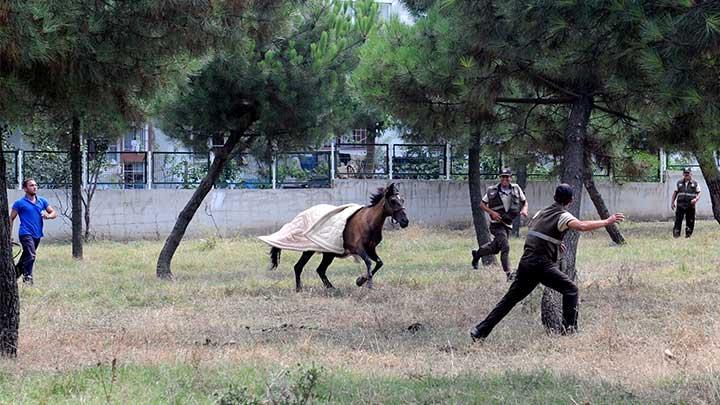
x=76, y=198
x=86, y=207
x=573, y=168
x=482, y=233
x=598, y=201
x=521, y=177
x=9, y=298
x=186, y=215
x=709, y=168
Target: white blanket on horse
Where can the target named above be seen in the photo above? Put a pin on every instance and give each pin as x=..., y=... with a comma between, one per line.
x=319, y=228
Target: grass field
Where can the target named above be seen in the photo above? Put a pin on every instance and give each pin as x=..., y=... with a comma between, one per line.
x=229, y=331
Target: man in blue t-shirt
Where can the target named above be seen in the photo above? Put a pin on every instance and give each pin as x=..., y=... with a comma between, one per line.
x=32, y=210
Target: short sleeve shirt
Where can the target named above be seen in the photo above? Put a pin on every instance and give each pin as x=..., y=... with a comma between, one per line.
x=31, y=221
x=565, y=218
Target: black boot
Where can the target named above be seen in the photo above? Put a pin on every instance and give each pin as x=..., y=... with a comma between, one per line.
x=475, y=260
x=475, y=335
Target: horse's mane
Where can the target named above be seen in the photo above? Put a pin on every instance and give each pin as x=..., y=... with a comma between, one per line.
x=377, y=196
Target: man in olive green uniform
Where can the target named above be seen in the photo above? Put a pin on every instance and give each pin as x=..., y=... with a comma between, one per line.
x=538, y=264
x=503, y=202
x=687, y=193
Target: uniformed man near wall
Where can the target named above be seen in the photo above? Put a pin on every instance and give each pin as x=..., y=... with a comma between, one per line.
x=538, y=264
x=503, y=202
x=687, y=193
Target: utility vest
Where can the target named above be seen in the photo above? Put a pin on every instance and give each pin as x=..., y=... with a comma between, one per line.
x=685, y=193
x=495, y=203
x=544, y=238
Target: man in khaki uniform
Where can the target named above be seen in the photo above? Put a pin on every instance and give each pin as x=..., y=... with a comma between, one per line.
x=687, y=193
x=503, y=202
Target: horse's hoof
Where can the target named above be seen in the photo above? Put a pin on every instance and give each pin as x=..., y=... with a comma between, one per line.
x=360, y=281
x=298, y=289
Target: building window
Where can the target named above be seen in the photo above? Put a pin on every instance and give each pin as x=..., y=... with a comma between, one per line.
x=134, y=175
x=135, y=140
x=384, y=11
x=358, y=136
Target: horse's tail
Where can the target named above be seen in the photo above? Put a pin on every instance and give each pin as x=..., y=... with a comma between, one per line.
x=274, y=258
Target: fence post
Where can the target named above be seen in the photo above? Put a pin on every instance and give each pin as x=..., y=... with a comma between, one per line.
x=19, y=166
x=447, y=161
x=274, y=171
x=84, y=163
x=211, y=158
x=663, y=164
x=332, y=162
x=149, y=169
x=391, y=154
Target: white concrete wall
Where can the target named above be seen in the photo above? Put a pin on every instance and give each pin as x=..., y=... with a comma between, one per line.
x=151, y=214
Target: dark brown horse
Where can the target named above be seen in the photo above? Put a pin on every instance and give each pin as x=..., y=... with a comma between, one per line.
x=362, y=234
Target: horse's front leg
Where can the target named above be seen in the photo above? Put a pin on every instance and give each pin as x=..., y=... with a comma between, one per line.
x=364, y=256
x=378, y=264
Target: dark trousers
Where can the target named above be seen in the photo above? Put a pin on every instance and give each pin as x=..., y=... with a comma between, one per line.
x=499, y=244
x=531, y=272
x=27, y=259
x=689, y=214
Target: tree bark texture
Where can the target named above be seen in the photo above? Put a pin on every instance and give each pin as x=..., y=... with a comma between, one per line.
x=710, y=172
x=573, y=168
x=186, y=215
x=521, y=176
x=9, y=298
x=598, y=201
x=76, y=192
x=482, y=234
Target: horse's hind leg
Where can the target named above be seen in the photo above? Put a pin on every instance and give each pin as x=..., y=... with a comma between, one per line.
x=324, y=264
x=299, y=268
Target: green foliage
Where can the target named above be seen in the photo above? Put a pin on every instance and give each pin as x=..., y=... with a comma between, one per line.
x=427, y=75
x=442, y=75
x=245, y=170
x=638, y=166
x=244, y=386
x=289, y=387
x=208, y=244
x=234, y=395
x=681, y=56
x=187, y=170
x=285, y=86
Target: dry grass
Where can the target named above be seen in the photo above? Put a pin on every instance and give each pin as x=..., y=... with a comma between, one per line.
x=637, y=301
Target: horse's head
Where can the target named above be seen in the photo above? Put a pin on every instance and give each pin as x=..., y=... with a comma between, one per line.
x=395, y=205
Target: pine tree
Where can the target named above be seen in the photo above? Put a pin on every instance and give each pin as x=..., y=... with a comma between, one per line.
x=682, y=57
x=281, y=90
x=104, y=58
x=81, y=59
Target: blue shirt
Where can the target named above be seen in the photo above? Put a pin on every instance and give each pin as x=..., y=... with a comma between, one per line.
x=31, y=221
